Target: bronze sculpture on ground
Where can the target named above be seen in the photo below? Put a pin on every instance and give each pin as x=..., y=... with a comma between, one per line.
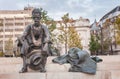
x=79, y=60
x=34, y=44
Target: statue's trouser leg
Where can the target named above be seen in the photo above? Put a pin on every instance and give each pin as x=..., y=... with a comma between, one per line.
x=43, y=65
x=24, y=68
x=44, y=60
x=24, y=48
x=44, y=57
x=24, y=63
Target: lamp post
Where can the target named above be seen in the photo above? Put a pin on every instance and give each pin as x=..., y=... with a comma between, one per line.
x=101, y=40
x=111, y=43
x=113, y=23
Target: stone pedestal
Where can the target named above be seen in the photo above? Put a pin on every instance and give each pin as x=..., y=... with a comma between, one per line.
x=108, y=69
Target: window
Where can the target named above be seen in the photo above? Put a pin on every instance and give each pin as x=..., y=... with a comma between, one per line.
x=19, y=24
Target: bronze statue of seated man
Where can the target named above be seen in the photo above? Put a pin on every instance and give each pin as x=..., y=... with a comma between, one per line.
x=34, y=44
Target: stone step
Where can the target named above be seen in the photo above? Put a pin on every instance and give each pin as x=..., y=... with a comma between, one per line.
x=18, y=60
x=110, y=58
x=62, y=75
x=13, y=65
x=14, y=68
x=108, y=69
x=23, y=76
x=10, y=60
x=59, y=75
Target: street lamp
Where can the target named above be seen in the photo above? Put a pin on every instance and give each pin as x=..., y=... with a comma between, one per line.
x=101, y=39
x=111, y=43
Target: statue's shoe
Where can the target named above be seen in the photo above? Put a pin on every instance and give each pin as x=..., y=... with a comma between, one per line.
x=23, y=70
x=43, y=71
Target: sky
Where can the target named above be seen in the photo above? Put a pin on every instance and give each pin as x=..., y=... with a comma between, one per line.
x=90, y=9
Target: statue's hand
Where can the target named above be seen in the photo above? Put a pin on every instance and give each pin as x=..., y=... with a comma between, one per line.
x=21, y=55
x=22, y=38
x=37, y=43
x=46, y=41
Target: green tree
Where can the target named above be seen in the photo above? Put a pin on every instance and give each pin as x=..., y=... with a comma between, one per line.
x=9, y=47
x=47, y=20
x=94, y=45
x=73, y=38
x=69, y=35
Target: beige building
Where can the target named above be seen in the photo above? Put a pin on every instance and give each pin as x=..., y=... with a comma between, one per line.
x=12, y=24
x=107, y=24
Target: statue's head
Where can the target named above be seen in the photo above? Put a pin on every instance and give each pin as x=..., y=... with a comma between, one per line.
x=36, y=15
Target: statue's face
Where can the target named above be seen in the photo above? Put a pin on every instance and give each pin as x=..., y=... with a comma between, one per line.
x=36, y=18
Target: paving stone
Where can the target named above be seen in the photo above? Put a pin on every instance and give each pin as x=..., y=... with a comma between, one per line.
x=23, y=76
x=77, y=75
x=115, y=74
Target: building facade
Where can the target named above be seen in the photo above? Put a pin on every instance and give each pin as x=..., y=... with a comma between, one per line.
x=107, y=24
x=12, y=24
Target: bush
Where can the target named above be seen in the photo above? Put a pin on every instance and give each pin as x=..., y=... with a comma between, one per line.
x=1, y=54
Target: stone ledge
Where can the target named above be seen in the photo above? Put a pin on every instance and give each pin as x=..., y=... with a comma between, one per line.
x=18, y=60
x=14, y=68
x=108, y=69
x=59, y=75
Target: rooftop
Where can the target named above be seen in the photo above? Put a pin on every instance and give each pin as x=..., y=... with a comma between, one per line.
x=27, y=10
